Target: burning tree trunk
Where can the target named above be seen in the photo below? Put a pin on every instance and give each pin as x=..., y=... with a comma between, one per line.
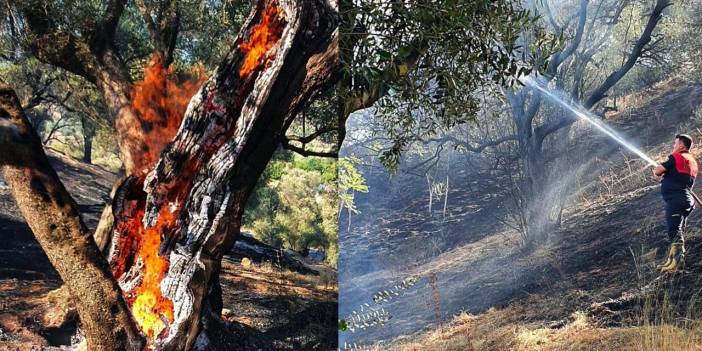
x=174, y=221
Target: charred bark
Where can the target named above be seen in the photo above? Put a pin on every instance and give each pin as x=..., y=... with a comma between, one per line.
x=54, y=219
x=194, y=197
x=95, y=57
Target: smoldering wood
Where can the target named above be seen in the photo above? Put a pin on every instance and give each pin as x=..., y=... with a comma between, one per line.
x=229, y=132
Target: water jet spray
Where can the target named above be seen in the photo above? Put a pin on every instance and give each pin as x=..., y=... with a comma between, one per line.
x=588, y=117
x=585, y=115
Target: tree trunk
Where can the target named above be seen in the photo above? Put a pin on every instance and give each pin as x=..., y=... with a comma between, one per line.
x=88, y=135
x=446, y=191
x=87, y=149
x=54, y=219
x=536, y=190
x=173, y=226
x=115, y=87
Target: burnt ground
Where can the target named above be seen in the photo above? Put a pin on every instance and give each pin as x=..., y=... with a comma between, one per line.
x=292, y=306
x=479, y=290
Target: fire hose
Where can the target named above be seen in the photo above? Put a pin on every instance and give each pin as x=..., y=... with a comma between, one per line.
x=697, y=198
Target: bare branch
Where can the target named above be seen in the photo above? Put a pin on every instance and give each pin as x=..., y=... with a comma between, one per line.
x=285, y=143
x=472, y=148
x=551, y=19
x=164, y=28
x=38, y=96
x=558, y=58
x=599, y=93
x=635, y=54
x=309, y=138
x=106, y=30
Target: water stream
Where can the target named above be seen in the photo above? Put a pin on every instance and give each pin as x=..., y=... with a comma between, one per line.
x=588, y=117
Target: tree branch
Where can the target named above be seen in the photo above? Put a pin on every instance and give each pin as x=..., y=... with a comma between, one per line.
x=38, y=96
x=555, y=62
x=81, y=56
x=285, y=143
x=551, y=19
x=641, y=43
x=362, y=97
x=584, y=57
x=105, y=33
x=309, y=138
x=598, y=94
x=559, y=28
x=558, y=58
x=164, y=30
x=473, y=148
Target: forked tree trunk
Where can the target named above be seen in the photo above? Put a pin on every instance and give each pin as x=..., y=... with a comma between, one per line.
x=173, y=226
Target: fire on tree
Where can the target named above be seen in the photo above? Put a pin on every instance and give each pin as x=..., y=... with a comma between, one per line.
x=191, y=165
x=174, y=218
x=138, y=256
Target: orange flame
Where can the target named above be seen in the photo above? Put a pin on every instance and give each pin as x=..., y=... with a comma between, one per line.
x=149, y=307
x=152, y=311
x=159, y=102
x=261, y=39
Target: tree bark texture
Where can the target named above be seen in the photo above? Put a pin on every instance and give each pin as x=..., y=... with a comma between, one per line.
x=187, y=210
x=54, y=219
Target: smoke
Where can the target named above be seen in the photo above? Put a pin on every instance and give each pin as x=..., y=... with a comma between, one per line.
x=474, y=253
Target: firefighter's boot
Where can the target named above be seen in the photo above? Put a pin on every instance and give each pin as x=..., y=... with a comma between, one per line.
x=676, y=258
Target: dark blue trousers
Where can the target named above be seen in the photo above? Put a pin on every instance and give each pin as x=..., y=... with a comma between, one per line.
x=678, y=206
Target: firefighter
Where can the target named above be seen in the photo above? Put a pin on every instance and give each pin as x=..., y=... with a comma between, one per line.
x=678, y=173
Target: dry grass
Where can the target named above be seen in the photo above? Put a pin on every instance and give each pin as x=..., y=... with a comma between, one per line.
x=663, y=328
x=286, y=307
x=546, y=322
x=494, y=330
x=644, y=97
x=524, y=327
x=326, y=280
x=669, y=337
x=268, y=279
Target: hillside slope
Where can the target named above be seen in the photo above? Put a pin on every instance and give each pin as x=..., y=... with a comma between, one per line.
x=480, y=291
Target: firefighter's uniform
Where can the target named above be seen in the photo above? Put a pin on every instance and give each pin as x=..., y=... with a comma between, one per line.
x=676, y=187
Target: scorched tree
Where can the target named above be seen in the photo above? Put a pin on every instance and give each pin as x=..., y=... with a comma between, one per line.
x=174, y=216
